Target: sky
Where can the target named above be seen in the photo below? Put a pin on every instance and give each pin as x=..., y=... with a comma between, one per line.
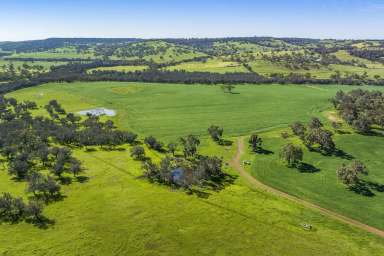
x=340, y=19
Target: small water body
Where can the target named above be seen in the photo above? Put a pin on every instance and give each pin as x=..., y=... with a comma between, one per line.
x=98, y=112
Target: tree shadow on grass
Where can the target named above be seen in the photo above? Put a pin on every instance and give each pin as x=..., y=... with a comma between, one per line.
x=342, y=154
x=42, y=223
x=225, y=142
x=342, y=132
x=307, y=168
x=365, y=188
x=362, y=188
x=65, y=180
x=219, y=183
x=373, y=133
x=48, y=199
x=198, y=192
x=264, y=151
x=111, y=149
x=213, y=185
x=336, y=152
x=375, y=186
x=90, y=149
x=82, y=179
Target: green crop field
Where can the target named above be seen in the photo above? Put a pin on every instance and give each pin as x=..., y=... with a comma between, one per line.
x=64, y=52
x=267, y=68
x=116, y=212
x=168, y=111
x=156, y=51
x=322, y=186
x=211, y=65
x=175, y=137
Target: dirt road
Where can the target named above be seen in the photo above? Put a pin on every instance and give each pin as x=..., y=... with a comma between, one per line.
x=252, y=181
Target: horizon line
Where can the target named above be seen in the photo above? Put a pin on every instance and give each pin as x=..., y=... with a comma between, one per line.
x=195, y=37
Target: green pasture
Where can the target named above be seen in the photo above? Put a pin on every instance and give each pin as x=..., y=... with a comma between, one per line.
x=168, y=111
x=211, y=65
x=118, y=213
x=57, y=53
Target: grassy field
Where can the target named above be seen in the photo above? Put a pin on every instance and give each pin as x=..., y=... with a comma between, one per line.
x=64, y=52
x=120, y=68
x=267, y=68
x=117, y=213
x=169, y=111
x=322, y=186
x=211, y=65
x=166, y=52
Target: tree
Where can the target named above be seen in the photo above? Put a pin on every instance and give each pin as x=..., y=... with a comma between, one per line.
x=11, y=209
x=298, y=129
x=44, y=185
x=349, y=174
x=51, y=186
x=20, y=165
x=291, y=154
x=153, y=143
x=172, y=147
x=190, y=144
x=285, y=135
x=321, y=137
x=228, y=88
x=325, y=140
x=151, y=171
x=336, y=125
x=315, y=123
x=138, y=153
x=255, y=142
x=34, y=211
x=215, y=132
x=35, y=183
x=75, y=166
x=362, y=124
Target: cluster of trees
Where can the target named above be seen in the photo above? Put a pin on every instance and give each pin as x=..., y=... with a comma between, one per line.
x=33, y=147
x=14, y=210
x=25, y=142
x=314, y=134
x=185, y=172
x=78, y=72
x=68, y=129
x=350, y=174
x=307, y=60
x=355, y=79
x=360, y=108
x=135, y=50
x=292, y=155
x=370, y=54
x=153, y=143
x=216, y=133
x=8, y=72
x=255, y=142
x=295, y=60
